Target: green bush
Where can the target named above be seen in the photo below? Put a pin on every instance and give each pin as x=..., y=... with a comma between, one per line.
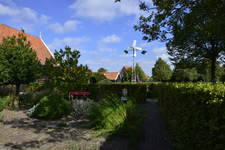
x=8, y=100
x=2, y=104
x=105, y=81
x=34, y=98
x=53, y=107
x=1, y=116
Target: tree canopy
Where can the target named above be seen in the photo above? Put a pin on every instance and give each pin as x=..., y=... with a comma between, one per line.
x=102, y=70
x=64, y=72
x=196, y=27
x=139, y=71
x=161, y=70
x=18, y=62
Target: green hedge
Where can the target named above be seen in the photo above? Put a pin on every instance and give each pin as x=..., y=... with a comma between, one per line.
x=195, y=114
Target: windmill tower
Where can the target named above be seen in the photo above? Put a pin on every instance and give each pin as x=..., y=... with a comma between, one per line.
x=133, y=78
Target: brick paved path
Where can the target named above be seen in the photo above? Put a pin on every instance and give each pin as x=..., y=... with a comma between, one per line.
x=157, y=136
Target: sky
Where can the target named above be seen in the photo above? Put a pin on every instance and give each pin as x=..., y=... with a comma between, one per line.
x=100, y=29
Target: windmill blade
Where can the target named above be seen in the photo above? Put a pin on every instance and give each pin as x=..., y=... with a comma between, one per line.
x=134, y=53
x=134, y=43
x=138, y=48
x=129, y=47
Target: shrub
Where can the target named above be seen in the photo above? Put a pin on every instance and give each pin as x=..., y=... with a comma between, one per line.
x=79, y=106
x=2, y=104
x=53, y=107
x=34, y=98
x=62, y=124
x=8, y=100
x=105, y=81
x=1, y=116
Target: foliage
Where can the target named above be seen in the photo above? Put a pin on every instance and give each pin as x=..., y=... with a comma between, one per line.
x=19, y=63
x=161, y=71
x=62, y=124
x=102, y=70
x=127, y=75
x=151, y=95
x=145, y=80
x=98, y=76
x=64, y=72
x=194, y=113
x=205, y=69
x=105, y=81
x=37, y=87
x=196, y=28
x=2, y=104
x=139, y=72
x=1, y=116
x=34, y=98
x=31, y=111
x=190, y=74
x=8, y=100
x=79, y=107
x=53, y=107
x=112, y=117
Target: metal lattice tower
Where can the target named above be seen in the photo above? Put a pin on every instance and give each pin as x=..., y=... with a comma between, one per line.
x=133, y=78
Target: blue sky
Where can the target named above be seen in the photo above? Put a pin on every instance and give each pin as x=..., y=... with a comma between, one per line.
x=100, y=29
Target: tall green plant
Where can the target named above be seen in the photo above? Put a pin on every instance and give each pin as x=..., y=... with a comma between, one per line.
x=113, y=116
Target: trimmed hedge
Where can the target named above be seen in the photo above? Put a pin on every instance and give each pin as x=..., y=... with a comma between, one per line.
x=195, y=114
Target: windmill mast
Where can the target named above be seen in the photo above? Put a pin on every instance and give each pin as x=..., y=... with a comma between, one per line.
x=134, y=48
x=133, y=79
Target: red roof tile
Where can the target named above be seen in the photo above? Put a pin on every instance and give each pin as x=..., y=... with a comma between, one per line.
x=36, y=43
x=110, y=75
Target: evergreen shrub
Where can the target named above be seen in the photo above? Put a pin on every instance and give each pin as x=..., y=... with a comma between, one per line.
x=53, y=107
x=2, y=104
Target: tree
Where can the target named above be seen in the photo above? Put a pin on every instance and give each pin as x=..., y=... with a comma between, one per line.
x=98, y=76
x=190, y=74
x=161, y=71
x=102, y=70
x=19, y=63
x=65, y=74
x=139, y=72
x=127, y=75
x=193, y=24
x=205, y=69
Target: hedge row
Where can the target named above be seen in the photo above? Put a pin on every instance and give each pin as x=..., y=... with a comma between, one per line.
x=195, y=113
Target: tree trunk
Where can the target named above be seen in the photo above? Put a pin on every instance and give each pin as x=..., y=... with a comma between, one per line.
x=16, y=101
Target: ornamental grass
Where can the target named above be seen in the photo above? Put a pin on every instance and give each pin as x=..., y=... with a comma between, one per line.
x=113, y=117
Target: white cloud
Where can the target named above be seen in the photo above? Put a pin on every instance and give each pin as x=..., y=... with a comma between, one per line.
x=144, y=44
x=71, y=42
x=159, y=50
x=70, y=25
x=24, y=16
x=111, y=39
x=163, y=56
x=102, y=49
x=105, y=10
x=126, y=55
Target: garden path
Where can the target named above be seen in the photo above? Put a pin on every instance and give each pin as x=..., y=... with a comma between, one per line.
x=17, y=133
